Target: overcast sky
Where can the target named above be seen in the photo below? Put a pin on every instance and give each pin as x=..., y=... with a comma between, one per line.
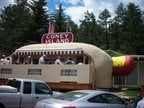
x=76, y=8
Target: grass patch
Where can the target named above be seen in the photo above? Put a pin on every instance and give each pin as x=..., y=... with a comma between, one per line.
x=132, y=92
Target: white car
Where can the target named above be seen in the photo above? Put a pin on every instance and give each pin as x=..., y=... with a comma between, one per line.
x=84, y=99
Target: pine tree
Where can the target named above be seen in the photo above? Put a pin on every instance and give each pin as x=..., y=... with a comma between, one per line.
x=40, y=17
x=60, y=20
x=16, y=23
x=133, y=30
x=103, y=21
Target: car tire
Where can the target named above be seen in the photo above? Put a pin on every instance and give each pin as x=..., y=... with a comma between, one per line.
x=1, y=106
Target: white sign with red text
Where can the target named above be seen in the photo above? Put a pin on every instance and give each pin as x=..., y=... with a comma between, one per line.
x=61, y=37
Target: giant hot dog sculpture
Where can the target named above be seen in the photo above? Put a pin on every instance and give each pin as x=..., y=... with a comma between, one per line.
x=123, y=65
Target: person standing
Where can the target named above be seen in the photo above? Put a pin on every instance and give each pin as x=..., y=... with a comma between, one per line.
x=18, y=61
x=69, y=61
x=58, y=61
x=140, y=103
x=42, y=59
x=2, y=60
x=137, y=99
x=29, y=60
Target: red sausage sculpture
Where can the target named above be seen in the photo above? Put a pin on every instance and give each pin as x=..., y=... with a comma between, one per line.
x=123, y=65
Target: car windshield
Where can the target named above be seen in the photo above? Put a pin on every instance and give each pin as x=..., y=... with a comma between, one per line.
x=71, y=96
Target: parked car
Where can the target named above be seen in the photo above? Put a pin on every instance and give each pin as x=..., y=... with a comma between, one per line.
x=84, y=99
x=24, y=93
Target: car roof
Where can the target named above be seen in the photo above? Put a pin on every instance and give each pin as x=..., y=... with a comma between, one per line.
x=24, y=79
x=79, y=94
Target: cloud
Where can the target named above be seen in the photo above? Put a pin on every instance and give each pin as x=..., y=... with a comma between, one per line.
x=99, y=5
x=76, y=13
x=96, y=6
x=4, y=3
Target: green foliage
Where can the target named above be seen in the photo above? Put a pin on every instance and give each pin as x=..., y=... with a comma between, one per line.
x=24, y=23
x=103, y=18
x=40, y=18
x=63, y=22
x=120, y=13
x=133, y=29
x=21, y=23
x=16, y=23
x=60, y=20
x=113, y=53
x=104, y=22
x=89, y=30
x=132, y=92
x=116, y=28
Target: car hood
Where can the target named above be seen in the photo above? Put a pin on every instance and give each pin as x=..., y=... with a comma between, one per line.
x=56, y=93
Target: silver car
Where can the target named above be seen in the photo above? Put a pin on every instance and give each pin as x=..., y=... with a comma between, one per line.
x=84, y=99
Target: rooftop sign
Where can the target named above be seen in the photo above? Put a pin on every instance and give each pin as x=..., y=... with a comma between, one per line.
x=57, y=37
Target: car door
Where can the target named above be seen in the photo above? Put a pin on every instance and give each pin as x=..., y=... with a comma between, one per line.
x=27, y=96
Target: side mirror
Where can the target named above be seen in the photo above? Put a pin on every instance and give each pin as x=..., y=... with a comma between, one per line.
x=50, y=92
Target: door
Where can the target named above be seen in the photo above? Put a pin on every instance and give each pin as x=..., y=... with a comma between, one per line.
x=27, y=95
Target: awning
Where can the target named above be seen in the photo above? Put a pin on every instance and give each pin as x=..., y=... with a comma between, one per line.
x=49, y=52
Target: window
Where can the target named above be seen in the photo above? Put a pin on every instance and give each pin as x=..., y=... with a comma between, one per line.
x=5, y=70
x=71, y=96
x=27, y=88
x=14, y=83
x=34, y=71
x=96, y=99
x=41, y=88
x=112, y=99
x=106, y=98
x=69, y=72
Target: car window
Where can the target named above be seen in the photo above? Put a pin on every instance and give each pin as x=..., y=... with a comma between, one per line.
x=112, y=99
x=106, y=98
x=96, y=99
x=41, y=88
x=27, y=88
x=71, y=96
x=14, y=83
